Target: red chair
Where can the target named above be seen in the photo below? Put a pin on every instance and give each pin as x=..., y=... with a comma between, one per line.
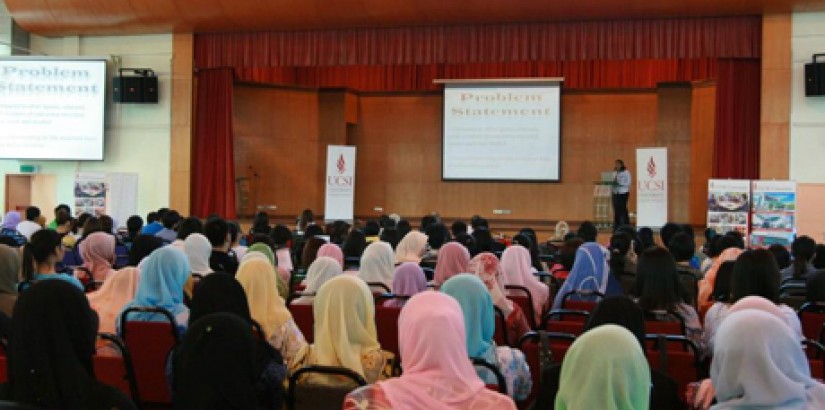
x=530, y=344
x=500, y=336
x=4, y=375
x=814, y=350
x=579, y=304
x=302, y=315
x=812, y=319
x=386, y=323
x=565, y=321
x=150, y=344
x=501, y=385
x=522, y=297
x=117, y=370
x=682, y=366
x=662, y=327
x=303, y=395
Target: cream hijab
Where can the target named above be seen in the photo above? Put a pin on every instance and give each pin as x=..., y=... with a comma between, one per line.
x=378, y=264
x=411, y=248
x=116, y=292
x=258, y=280
x=321, y=270
x=344, y=314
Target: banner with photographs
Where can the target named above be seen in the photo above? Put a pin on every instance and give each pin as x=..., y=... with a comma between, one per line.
x=773, y=220
x=90, y=193
x=729, y=205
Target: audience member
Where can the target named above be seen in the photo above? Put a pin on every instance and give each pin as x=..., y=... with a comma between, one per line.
x=408, y=280
x=321, y=271
x=108, y=301
x=29, y=226
x=217, y=231
x=10, y=222
x=517, y=271
x=161, y=285
x=590, y=273
x=803, y=251
x=40, y=257
x=453, y=258
x=142, y=247
x=411, y=248
x=378, y=264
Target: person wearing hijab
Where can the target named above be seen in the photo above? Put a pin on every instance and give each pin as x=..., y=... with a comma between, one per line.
x=116, y=292
x=263, y=251
x=258, y=280
x=486, y=266
x=605, y=369
x=143, y=246
x=50, y=352
x=9, y=228
x=322, y=270
x=479, y=322
x=98, y=254
x=345, y=334
x=9, y=271
x=758, y=363
x=517, y=270
x=198, y=250
x=453, y=258
x=333, y=251
x=411, y=248
x=590, y=273
x=216, y=367
x=378, y=264
x=161, y=285
x=408, y=280
x=624, y=312
x=437, y=375
x=704, y=300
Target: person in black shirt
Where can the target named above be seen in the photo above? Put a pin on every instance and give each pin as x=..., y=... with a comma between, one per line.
x=217, y=231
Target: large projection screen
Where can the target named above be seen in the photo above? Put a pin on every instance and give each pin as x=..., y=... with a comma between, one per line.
x=52, y=108
x=507, y=130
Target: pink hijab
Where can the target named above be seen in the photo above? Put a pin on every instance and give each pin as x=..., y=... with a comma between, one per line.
x=453, y=258
x=518, y=270
x=706, y=285
x=437, y=373
x=333, y=251
x=98, y=254
x=115, y=293
x=486, y=266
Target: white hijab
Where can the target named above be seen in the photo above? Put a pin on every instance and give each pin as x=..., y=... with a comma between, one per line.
x=378, y=264
x=411, y=248
x=320, y=271
x=198, y=249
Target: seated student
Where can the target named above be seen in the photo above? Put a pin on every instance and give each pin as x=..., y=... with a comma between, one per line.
x=622, y=311
x=153, y=222
x=623, y=260
x=437, y=236
x=815, y=288
x=722, y=296
x=372, y=230
x=198, y=250
x=258, y=281
x=355, y=244
x=819, y=258
x=408, y=280
x=218, y=365
x=333, y=251
x=487, y=267
x=605, y=368
x=683, y=247
x=263, y=251
x=58, y=209
x=458, y=228
x=479, y=322
x=282, y=237
x=320, y=272
x=411, y=248
x=161, y=285
x=217, y=231
x=40, y=256
x=566, y=256
x=345, y=334
x=590, y=272
x=169, y=220
x=437, y=374
x=310, y=250
x=803, y=251
x=10, y=221
x=756, y=274
x=51, y=352
x=133, y=226
x=729, y=247
x=108, y=301
x=29, y=226
x=781, y=254
x=453, y=258
x=377, y=264
x=98, y=255
x=518, y=270
x=260, y=224
x=759, y=364
x=9, y=269
x=662, y=297
x=485, y=242
x=143, y=246
x=235, y=239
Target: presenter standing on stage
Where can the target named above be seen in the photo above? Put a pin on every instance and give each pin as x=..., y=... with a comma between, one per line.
x=621, y=189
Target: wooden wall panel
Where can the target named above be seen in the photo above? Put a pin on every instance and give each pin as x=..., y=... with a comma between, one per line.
x=399, y=154
x=181, y=134
x=673, y=131
x=702, y=129
x=774, y=158
x=277, y=137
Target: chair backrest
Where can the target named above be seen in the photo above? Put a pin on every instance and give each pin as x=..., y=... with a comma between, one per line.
x=530, y=345
x=665, y=327
x=812, y=319
x=121, y=256
x=816, y=357
x=312, y=396
x=522, y=297
x=4, y=375
x=581, y=300
x=502, y=382
x=386, y=324
x=429, y=273
x=500, y=336
x=352, y=262
x=566, y=315
x=381, y=286
x=117, y=370
x=302, y=314
x=682, y=366
x=150, y=344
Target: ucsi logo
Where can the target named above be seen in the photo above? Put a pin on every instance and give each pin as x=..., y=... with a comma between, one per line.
x=339, y=181
x=656, y=185
x=651, y=168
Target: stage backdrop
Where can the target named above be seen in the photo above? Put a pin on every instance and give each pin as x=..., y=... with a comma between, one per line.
x=651, y=186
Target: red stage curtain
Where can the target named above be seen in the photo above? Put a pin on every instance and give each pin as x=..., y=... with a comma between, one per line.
x=213, y=175
x=738, y=102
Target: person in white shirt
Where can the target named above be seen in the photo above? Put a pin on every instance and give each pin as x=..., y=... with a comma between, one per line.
x=621, y=190
x=28, y=227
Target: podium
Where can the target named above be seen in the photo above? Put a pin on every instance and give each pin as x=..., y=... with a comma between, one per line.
x=603, y=205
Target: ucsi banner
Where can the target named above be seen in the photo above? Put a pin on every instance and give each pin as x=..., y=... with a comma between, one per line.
x=651, y=187
x=340, y=182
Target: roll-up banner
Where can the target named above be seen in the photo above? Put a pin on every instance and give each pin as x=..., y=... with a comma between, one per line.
x=340, y=183
x=651, y=187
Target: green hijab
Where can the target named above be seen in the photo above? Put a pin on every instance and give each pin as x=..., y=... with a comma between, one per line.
x=605, y=368
x=266, y=250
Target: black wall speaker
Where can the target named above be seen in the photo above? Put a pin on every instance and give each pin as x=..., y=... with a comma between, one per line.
x=135, y=89
x=815, y=77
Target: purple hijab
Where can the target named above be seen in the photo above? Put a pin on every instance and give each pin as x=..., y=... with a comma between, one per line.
x=408, y=280
x=11, y=220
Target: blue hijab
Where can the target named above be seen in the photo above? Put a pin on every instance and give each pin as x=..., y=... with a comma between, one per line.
x=477, y=307
x=590, y=272
x=161, y=284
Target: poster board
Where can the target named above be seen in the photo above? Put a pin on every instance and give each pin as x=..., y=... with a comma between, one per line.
x=729, y=205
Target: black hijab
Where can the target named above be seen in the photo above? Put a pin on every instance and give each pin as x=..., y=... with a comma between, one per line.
x=621, y=311
x=50, y=352
x=215, y=366
x=142, y=246
x=219, y=292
